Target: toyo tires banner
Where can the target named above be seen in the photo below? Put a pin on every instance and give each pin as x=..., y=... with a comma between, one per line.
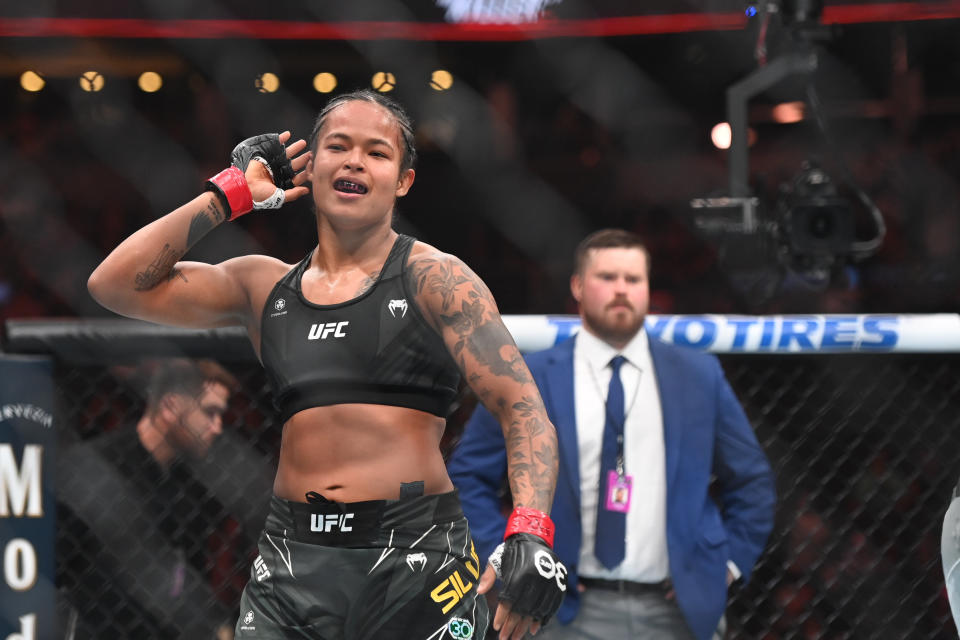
x=870, y=333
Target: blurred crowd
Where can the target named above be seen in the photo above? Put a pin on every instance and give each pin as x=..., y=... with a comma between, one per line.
x=509, y=186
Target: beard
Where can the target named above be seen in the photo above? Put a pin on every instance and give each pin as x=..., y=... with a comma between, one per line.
x=615, y=325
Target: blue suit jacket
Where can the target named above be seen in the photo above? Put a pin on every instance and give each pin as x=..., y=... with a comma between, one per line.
x=705, y=433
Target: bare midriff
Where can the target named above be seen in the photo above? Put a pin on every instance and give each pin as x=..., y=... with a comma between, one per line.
x=356, y=452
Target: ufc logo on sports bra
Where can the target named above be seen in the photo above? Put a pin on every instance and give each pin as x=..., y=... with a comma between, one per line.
x=325, y=523
x=322, y=331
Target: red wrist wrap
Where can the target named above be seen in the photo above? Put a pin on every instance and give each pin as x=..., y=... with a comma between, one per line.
x=524, y=520
x=232, y=185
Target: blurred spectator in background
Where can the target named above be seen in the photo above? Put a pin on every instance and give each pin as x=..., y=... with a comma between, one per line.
x=134, y=521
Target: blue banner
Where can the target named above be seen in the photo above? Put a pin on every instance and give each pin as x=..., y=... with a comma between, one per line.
x=27, y=507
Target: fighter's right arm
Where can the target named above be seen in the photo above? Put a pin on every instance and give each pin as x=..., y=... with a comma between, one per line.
x=143, y=277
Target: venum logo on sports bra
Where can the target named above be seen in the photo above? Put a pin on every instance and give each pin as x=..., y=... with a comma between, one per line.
x=322, y=331
x=398, y=306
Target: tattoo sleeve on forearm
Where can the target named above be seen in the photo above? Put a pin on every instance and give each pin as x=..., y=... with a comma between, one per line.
x=159, y=270
x=203, y=222
x=162, y=268
x=497, y=373
x=533, y=457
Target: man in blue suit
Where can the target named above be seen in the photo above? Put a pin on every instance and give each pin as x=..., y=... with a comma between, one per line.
x=644, y=428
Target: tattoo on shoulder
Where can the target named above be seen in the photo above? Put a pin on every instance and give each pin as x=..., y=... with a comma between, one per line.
x=367, y=283
x=162, y=268
x=202, y=223
x=437, y=277
x=466, y=307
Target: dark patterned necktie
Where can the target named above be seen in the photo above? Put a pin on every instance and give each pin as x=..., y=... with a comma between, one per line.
x=611, y=525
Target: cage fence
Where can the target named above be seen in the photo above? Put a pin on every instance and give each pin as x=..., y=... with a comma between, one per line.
x=865, y=449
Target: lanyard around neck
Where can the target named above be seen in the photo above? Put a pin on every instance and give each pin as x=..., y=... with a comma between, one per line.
x=621, y=466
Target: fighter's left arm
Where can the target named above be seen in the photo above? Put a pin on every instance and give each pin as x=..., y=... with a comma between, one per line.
x=462, y=309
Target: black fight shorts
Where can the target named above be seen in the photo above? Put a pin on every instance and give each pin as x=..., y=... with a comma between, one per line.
x=385, y=569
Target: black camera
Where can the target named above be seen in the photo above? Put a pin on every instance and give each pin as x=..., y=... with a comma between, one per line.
x=814, y=220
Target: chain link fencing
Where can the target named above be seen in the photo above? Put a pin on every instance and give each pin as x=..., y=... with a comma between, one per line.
x=865, y=448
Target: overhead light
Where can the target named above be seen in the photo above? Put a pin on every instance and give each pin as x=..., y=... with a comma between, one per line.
x=789, y=112
x=267, y=82
x=150, y=81
x=720, y=135
x=441, y=80
x=383, y=81
x=324, y=82
x=91, y=81
x=32, y=81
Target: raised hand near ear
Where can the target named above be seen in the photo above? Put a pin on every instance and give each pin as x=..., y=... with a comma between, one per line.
x=265, y=173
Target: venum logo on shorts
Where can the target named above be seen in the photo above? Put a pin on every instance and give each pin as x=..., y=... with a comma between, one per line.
x=397, y=305
x=460, y=629
x=416, y=561
x=329, y=522
x=322, y=331
x=280, y=308
x=247, y=622
x=260, y=567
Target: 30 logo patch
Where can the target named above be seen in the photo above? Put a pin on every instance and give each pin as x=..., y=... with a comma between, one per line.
x=460, y=629
x=549, y=569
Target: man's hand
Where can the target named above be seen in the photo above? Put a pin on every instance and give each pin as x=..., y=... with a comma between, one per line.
x=534, y=584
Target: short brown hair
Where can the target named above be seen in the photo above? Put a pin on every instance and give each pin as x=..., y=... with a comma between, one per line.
x=608, y=239
x=185, y=376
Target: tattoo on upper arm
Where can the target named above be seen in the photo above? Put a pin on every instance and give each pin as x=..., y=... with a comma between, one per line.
x=436, y=277
x=468, y=312
x=159, y=270
x=492, y=345
x=202, y=223
x=479, y=331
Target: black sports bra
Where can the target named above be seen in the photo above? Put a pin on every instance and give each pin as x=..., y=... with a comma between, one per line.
x=376, y=348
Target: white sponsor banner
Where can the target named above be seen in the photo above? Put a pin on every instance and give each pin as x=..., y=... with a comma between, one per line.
x=866, y=333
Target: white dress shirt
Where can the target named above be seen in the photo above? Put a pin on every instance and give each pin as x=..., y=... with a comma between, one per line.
x=645, y=557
